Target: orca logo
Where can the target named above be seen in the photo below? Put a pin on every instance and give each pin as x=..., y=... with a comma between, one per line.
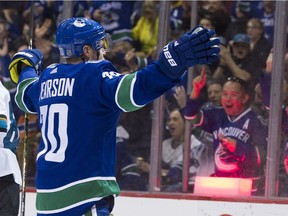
x=168, y=56
x=79, y=23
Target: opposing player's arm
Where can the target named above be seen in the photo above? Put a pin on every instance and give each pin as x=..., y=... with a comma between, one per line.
x=3, y=119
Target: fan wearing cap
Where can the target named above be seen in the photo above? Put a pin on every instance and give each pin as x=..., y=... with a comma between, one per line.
x=236, y=60
x=239, y=136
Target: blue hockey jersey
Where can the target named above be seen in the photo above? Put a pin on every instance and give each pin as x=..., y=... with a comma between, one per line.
x=78, y=107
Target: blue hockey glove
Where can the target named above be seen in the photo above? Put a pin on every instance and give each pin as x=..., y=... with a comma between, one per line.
x=29, y=57
x=195, y=47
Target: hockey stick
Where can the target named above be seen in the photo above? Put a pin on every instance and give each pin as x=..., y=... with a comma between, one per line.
x=26, y=125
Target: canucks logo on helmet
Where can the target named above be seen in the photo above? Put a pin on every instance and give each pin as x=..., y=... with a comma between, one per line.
x=79, y=23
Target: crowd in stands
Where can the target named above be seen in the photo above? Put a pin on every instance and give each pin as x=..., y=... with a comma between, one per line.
x=246, y=30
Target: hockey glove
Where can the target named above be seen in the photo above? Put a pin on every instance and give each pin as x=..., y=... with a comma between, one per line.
x=29, y=57
x=195, y=47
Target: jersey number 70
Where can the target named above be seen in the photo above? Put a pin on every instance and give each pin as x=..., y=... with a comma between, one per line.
x=51, y=117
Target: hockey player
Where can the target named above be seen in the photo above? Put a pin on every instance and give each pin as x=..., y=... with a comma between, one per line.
x=10, y=175
x=79, y=104
x=239, y=136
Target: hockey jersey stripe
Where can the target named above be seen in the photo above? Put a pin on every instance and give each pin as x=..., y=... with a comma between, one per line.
x=127, y=104
x=71, y=197
x=20, y=94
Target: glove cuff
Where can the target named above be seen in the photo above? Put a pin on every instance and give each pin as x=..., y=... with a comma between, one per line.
x=170, y=64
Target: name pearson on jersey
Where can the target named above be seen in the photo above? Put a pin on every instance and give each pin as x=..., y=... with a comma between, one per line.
x=56, y=88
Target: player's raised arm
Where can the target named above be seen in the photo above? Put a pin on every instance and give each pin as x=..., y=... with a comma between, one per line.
x=198, y=46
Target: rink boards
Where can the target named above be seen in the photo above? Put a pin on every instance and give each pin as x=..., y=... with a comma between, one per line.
x=139, y=204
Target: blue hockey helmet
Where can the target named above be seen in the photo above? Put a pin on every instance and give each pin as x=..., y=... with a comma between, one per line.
x=73, y=33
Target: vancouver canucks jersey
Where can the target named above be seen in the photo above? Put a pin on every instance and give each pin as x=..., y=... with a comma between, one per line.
x=247, y=129
x=78, y=108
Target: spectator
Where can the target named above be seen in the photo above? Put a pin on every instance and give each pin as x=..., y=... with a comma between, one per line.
x=172, y=156
x=137, y=60
x=214, y=92
x=239, y=62
x=258, y=104
x=216, y=11
x=43, y=17
x=259, y=45
x=118, y=54
x=176, y=23
x=238, y=24
x=239, y=137
x=114, y=16
x=172, y=151
x=201, y=154
x=10, y=175
x=16, y=46
x=3, y=38
x=139, y=142
x=267, y=17
x=265, y=84
x=45, y=44
x=186, y=15
x=127, y=173
x=207, y=22
x=145, y=33
x=4, y=57
x=209, y=69
x=79, y=8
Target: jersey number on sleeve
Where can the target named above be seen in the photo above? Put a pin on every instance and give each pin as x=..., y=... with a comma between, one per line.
x=51, y=117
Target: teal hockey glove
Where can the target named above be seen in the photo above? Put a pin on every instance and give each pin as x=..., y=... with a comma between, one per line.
x=29, y=57
x=195, y=47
